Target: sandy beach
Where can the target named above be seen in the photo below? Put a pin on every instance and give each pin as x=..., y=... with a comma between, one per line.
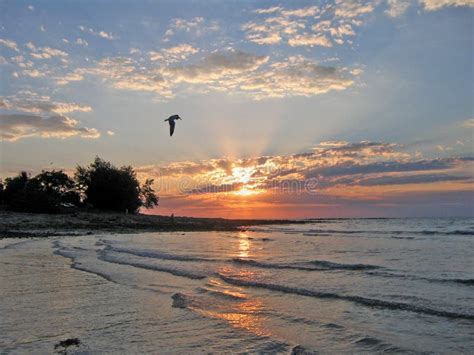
x=17, y=225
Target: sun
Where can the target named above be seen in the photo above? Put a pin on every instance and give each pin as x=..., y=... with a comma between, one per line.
x=244, y=191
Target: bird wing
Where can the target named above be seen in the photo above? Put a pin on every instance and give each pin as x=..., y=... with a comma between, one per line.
x=172, y=124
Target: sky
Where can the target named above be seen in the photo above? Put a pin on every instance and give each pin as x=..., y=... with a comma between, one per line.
x=291, y=109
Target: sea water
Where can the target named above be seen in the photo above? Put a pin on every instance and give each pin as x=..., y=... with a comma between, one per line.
x=341, y=285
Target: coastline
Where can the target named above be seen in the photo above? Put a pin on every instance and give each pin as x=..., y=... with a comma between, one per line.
x=27, y=225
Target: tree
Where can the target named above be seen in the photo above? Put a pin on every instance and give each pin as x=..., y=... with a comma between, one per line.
x=1, y=192
x=14, y=192
x=147, y=194
x=107, y=187
x=43, y=193
x=58, y=186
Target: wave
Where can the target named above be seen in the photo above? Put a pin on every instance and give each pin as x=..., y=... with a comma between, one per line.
x=222, y=294
x=468, y=282
x=177, y=272
x=329, y=232
x=15, y=244
x=260, y=264
x=328, y=265
x=315, y=265
x=77, y=266
x=369, y=302
x=157, y=254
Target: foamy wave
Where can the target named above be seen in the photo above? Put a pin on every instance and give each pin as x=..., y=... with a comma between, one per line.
x=157, y=254
x=330, y=232
x=315, y=265
x=370, y=302
x=468, y=282
x=174, y=271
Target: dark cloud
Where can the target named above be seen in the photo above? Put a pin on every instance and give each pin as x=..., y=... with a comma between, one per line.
x=413, y=179
x=17, y=126
x=381, y=167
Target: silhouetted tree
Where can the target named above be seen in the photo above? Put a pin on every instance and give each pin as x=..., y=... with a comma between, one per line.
x=107, y=187
x=14, y=191
x=147, y=194
x=1, y=192
x=43, y=193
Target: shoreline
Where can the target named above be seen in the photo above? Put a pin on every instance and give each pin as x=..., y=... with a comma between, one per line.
x=27, y=225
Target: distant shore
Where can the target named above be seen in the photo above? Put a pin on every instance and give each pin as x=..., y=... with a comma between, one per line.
x=26, y=225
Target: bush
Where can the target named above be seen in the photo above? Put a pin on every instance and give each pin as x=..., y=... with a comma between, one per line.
x=107, y=187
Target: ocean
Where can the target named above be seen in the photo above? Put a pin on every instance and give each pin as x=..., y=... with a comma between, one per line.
x=329, y=286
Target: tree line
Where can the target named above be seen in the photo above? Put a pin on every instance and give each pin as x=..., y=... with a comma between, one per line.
x=100, y=185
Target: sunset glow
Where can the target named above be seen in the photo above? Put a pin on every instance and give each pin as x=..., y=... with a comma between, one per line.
x=308, y=109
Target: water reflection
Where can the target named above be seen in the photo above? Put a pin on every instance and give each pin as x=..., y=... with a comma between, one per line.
x=239, y=310
x=244, y=245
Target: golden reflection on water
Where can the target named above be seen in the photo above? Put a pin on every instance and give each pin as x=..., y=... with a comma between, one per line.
x=244, y=245
x=245, y=315
x=242, y=312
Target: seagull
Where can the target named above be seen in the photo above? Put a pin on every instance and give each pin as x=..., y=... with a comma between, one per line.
x=171, y=120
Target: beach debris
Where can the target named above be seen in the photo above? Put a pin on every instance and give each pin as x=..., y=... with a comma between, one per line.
x=179, y=300
x=299, y=350
x=63, y=345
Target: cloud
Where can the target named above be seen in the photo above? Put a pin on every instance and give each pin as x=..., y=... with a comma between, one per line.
x=34, y=73
x=336, y=21
x=40, y=104
x=196, y=26
x=264, y=39
x=69, y=77
x=269, y=10
x=468, y=123
x=102, y=34
x=333, y=169
x=175, y=53
x=353, y=8
x=40, y=117
x=231, y=70
x=19, y=126
x=412, y=179
x=397, y=7
x=126, y=74
x=10, y=44
x=297, y=76
x=310, y=40
x=302, y=12
x=218, y=65
x=433, y=5
x=45, y=52
x=82, y=42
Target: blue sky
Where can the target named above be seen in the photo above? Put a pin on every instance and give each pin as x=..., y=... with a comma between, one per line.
x=250, y=79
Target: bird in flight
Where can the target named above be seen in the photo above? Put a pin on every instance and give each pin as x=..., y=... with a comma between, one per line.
x=171, y=120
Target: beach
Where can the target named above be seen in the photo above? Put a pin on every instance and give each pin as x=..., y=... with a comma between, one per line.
x=24, y=225
x=345, y=286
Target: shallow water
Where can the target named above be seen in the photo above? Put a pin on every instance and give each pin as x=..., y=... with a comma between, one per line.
x=358, y=285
